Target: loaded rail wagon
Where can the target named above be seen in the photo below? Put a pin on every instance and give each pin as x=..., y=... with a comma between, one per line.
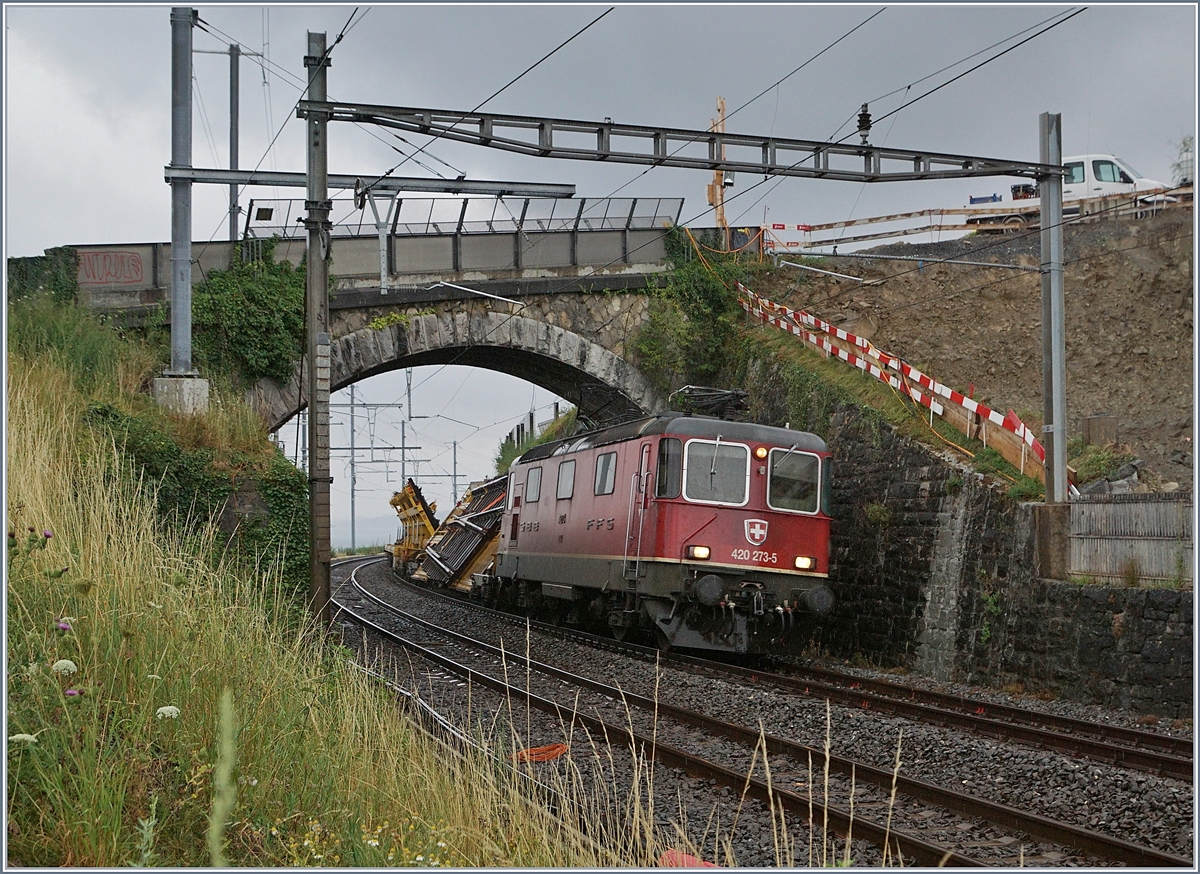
x=704, y=532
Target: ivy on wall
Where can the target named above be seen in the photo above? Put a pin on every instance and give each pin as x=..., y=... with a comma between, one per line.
x=249, y=320
x=56, y=272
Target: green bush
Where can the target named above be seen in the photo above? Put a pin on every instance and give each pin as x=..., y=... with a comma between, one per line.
x=249, y=319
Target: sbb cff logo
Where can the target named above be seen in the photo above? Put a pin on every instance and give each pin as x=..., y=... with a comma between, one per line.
x=756, y=531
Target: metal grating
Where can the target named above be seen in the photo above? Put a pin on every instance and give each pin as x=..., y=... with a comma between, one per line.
x=472, y=525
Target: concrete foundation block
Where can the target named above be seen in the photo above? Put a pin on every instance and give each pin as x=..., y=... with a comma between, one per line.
x=182, y=395
x=1052, y=528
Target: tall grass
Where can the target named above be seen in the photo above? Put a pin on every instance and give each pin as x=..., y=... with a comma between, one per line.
x=123, y=765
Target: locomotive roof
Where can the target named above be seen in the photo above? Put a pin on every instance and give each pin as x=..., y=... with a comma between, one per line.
x=683, y=425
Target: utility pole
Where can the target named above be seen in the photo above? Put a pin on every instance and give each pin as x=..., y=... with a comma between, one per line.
x=454, y=480
x=1054, y=374
x=318, y=226
x=234, y=52
x=353, y=473
x=179, y=389
x=716, y=189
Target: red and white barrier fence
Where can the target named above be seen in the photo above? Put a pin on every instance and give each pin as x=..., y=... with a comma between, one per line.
x=888, y=368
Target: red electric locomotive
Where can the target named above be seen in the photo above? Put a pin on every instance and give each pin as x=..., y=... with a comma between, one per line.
x=708, y=532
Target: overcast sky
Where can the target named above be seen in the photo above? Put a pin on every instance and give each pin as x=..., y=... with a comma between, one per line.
x=87, y=123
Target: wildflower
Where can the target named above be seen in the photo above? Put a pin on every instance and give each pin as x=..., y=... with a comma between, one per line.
x=420, y=858
x=72, y=693
x=31, y=529
x=170, y=711
x=153, y=677
x=64, y=666
x=63, y=625
x=47, y=533
x=155, y=606
x=442, y=844
x=22, y=738
x=54, y=575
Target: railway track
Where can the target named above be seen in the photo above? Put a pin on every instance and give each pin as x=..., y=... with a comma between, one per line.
x=923, y=801
x=1150, y=752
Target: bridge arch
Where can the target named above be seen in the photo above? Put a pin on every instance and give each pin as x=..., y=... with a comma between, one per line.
x=600, y=382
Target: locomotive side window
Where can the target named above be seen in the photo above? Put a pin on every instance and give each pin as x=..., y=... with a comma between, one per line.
x=533, y=485
x=716, y=472
x=826, y=485
x=566, y=480
x=793, y=481
x=670, y=468
x=606, y=473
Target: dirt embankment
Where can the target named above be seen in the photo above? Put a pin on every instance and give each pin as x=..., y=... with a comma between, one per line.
x=1129, y=317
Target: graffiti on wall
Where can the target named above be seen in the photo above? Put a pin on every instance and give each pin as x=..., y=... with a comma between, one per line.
x=111, y=267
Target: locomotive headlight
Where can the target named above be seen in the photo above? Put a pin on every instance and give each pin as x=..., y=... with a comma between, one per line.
x=805, y=562
x=698, y=552
x=760, y=453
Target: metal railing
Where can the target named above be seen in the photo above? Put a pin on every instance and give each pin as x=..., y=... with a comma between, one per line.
x=436, y=216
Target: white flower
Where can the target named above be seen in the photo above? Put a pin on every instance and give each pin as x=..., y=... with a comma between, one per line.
x=22, y=738
x=153, y=677
x=155, y=606
x=170, y=711
x=64, y=666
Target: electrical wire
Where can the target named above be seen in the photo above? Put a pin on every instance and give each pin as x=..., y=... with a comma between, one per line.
x=906, y=88
x=500, y=90
x=755, y=97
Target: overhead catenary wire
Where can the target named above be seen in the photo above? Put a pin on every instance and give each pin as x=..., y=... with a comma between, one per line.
x=920, y=97
x=757, y=96
x=501, y=89
x=316, y=69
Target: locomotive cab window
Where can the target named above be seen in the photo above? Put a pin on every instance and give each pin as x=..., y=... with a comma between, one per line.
x=670, y=468
x=793, y=482
x=566, y=480
x=533, y=485
x=716, y=473
x=606, y=473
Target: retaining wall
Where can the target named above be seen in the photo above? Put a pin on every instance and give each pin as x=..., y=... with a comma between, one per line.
x=936, y=570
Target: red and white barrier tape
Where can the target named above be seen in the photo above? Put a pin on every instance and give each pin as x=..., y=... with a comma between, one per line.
x=795, y=322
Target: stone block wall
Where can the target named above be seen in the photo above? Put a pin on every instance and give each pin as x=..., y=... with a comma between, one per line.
x=937, y=571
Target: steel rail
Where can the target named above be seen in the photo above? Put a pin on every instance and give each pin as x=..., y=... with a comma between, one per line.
x=840, y=821
x=1036, y=825
x=1150, y=761
x=1130, y=737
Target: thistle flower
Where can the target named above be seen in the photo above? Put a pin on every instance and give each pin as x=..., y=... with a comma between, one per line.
x=170, y=711
x=64, y=666
x=54, y=575
x=63, y=625
x=28, y=739
x=72, y=693
x=47, y=533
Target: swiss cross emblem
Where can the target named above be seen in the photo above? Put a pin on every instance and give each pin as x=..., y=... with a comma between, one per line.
x=756, y=531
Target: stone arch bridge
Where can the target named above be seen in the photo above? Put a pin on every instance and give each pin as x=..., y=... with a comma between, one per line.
x=577, y=345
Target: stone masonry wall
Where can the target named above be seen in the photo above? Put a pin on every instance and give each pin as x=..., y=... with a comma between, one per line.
x=936, y=570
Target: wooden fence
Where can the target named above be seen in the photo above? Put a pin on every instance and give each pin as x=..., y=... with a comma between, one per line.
x=1133, y=538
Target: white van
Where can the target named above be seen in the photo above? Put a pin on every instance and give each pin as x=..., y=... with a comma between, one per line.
x=1087, y=176
x=1102, y=175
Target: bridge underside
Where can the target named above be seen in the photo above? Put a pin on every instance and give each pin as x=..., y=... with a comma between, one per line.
x=604, y=386
x=597, y=401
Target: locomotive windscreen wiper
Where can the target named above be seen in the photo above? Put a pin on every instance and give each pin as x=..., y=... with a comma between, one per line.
x=716, y=448
x=789, y=452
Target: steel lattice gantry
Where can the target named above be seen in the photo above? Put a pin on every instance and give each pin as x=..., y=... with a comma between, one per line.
x=675, y=147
